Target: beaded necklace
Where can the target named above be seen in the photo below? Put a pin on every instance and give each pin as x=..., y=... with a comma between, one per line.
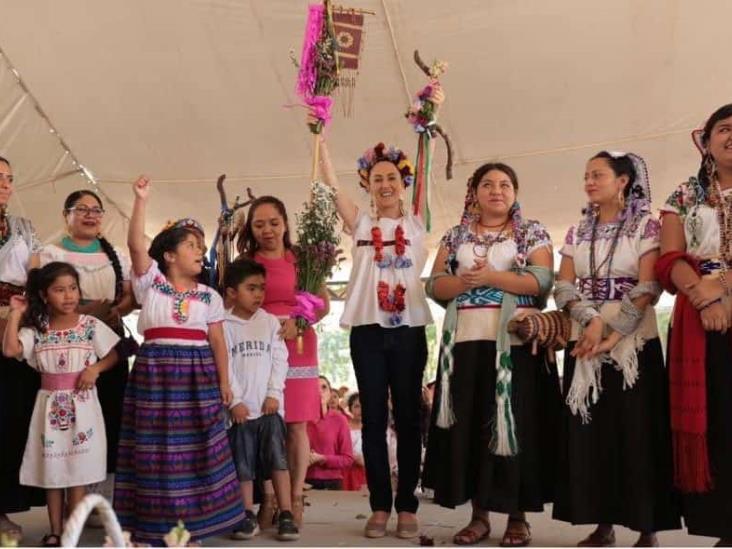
x=4, y=226
x=180, y=299
x=391, y=301
x=594, y=268
x=723, y=206
x=484, y=242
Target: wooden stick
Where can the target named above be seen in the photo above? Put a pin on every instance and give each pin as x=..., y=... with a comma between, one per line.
x=316, y=156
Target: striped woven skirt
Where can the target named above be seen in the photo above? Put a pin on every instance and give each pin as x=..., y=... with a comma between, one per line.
x=174, y=461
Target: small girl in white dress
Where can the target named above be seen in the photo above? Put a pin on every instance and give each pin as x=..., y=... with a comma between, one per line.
x=67, y=445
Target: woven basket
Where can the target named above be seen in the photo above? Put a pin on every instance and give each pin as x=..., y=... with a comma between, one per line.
x=549, y=330
x=75, y=523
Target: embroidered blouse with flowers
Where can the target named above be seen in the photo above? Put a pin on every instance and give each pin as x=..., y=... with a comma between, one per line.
x=616, y=275
x=385, y=286
x=479, y=308
x=96, y=274
x=700, y=221
x=67, y=444
x=17, y=243
x=164, y=307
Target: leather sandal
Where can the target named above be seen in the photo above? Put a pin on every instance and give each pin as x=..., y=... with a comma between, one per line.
x=51, y=540
x=595, y=539
x=470, y=535
x=516, y=538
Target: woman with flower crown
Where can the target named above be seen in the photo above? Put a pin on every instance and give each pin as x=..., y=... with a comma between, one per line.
x=696, y=243
x=615, y=451
x=496, y=404
x=386, y=310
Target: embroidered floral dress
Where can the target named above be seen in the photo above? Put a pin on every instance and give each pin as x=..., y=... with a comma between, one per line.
x=66, y=444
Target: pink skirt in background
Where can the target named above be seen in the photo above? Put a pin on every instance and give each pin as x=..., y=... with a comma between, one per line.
x=302, y=391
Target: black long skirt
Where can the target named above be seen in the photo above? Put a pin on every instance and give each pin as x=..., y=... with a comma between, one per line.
x=111, y=390
x=710, y=514
x=19, y=384
x=459, y=465
x=618, y=469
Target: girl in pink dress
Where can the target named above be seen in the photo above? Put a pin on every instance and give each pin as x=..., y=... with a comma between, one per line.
x=266, y=238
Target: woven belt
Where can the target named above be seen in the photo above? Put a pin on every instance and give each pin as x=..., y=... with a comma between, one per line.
x=607, y=289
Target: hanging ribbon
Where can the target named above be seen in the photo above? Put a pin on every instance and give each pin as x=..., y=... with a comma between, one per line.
x=421, y=191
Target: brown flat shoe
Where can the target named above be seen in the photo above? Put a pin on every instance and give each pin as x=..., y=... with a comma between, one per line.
x=407, y=530
x=598, y=540
x=375, y=528
x=470, y=535
x=514, y=537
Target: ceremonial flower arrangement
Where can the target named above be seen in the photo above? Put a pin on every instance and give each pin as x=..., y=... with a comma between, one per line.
x=421, y=114
x=317, y=253
x=318, y=74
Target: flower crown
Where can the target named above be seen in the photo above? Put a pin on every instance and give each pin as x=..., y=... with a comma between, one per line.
x=185, y=223
x=380, y=153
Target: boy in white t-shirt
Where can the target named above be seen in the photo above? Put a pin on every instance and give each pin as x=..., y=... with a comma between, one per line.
x=257, y=370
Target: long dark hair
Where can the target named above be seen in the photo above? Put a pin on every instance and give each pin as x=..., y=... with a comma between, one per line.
x=167, y=241
x=106, y=245
x=620, y=165
x=245, y=243
x=720, y=114
x=39, y=280
x=485, y=168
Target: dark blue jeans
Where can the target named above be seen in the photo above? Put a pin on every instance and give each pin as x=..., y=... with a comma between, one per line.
x=390, y=361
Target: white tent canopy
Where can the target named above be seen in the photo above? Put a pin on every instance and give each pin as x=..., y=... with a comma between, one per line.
x=184, y=90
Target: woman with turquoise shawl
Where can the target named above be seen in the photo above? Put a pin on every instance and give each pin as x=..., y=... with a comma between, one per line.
x=496, y=405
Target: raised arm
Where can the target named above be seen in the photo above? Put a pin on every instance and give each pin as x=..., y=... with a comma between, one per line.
x=346, y=207
x=136, y=234
x=12, y=347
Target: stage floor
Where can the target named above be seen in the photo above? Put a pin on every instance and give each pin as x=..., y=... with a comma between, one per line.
x=337, y=519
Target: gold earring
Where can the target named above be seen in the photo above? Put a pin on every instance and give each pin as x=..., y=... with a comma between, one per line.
x=621, y=199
